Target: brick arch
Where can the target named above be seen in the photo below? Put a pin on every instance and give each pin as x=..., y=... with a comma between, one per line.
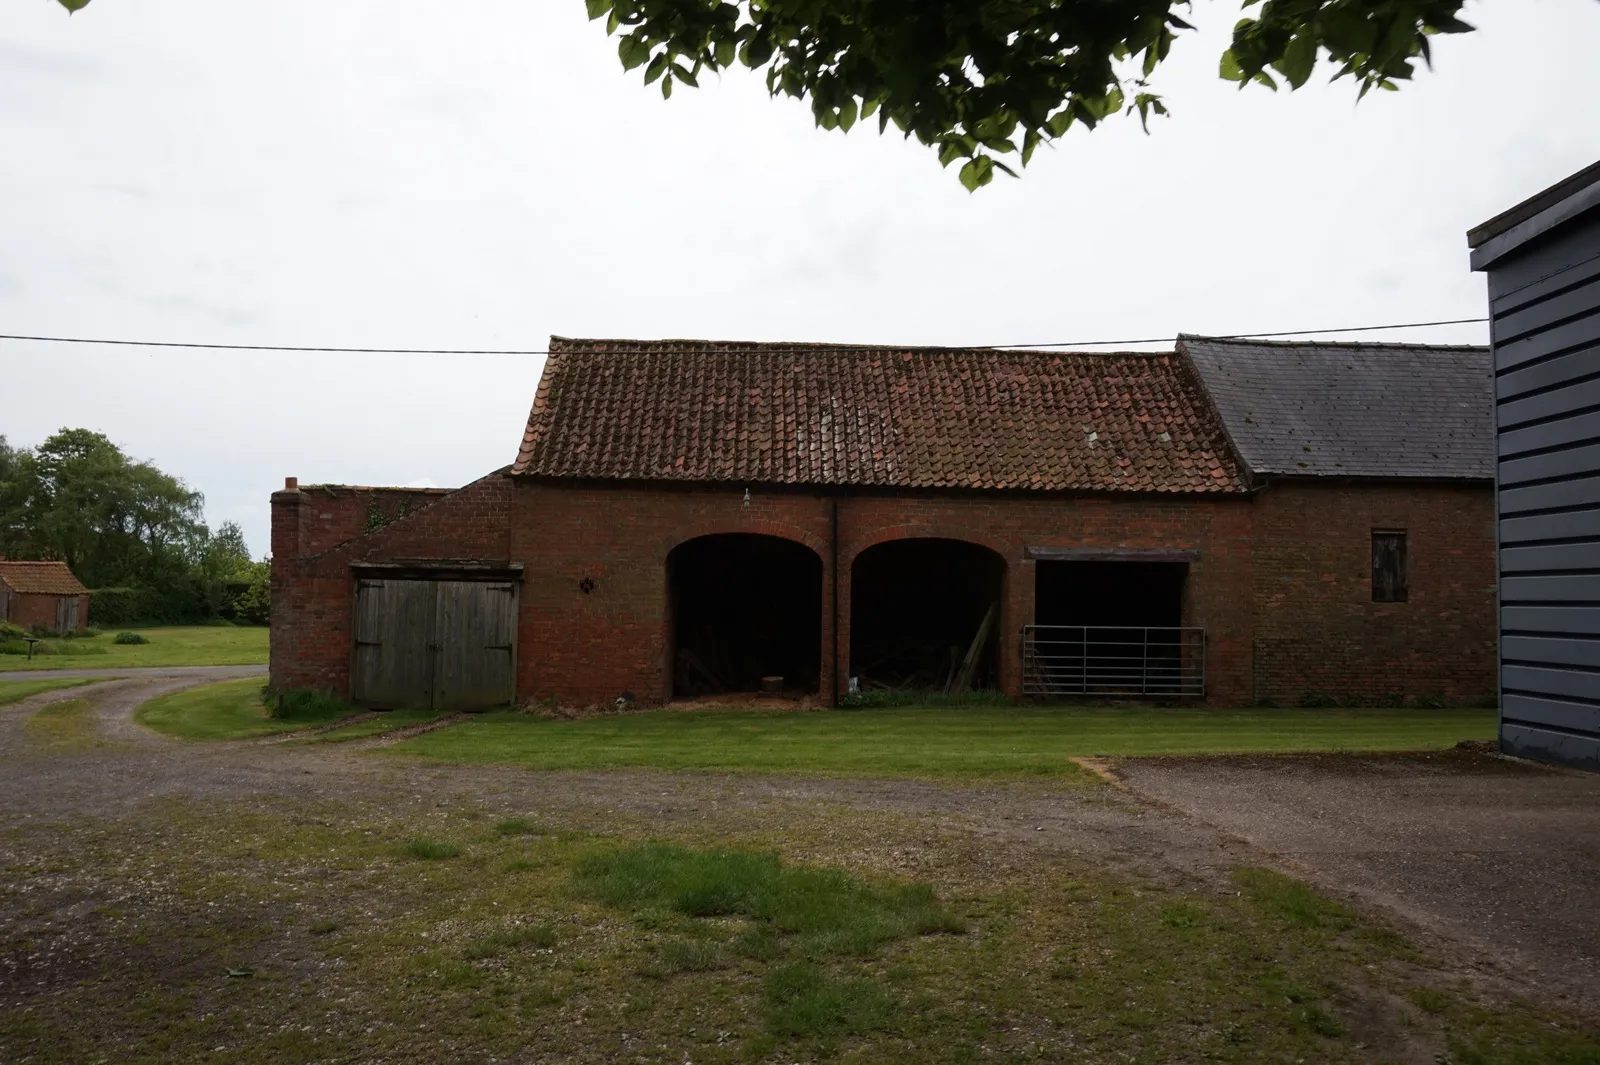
x=848, y=553
x=756, y=527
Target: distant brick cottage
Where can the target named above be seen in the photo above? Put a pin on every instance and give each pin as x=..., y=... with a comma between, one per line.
x=43, y=595
x=1231, y=521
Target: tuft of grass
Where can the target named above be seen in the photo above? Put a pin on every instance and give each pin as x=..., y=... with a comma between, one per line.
x=61, y=725
x=230, y=710
x=431, y=850
x=1024, y=742
x=130, y=639
x=883, y=700
x=515, y=826
x=323, y=928
x=14, y=691
x=539, y=937
x=802, y=1001
x=827, y=911
x=692, y=956
x=305, y=705
x=1292, y=901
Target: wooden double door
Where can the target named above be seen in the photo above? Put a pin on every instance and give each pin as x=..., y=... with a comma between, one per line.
x=434, y=644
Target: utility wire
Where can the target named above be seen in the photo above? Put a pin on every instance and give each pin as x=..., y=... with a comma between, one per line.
x=763, y=347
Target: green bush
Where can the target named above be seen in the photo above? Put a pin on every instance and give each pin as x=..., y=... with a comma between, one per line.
x=18, y=647
x=302, y=704
x=1318, y=701
x=129, y=638
x=10, y=631
x=1431, y=702
x=182, y=602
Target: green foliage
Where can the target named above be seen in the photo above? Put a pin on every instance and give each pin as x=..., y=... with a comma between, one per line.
x=982, y=79
x=230, y=710
x=305, y=704
x=129, y=638
x=254, y=604
x=537, y=937
x=825, y=911
x=431, y=850
x=1318, y=701
x=802, y=1001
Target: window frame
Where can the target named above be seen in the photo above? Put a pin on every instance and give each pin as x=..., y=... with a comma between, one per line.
x=1401, y=590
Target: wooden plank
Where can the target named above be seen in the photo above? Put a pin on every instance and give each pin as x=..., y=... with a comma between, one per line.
x=1556, y=620
x=1538, y=680
x=1584, y=589
x=1510, y=354
x=1113, y=554
x=1581, y=396
x=1567, y=558
x=1534, y=265
x=1546, y=745
x=1578, y=492
x=1581, y=363
x=1570, y=463
x=1575, y=274
x=1578, y=429
x=969, y=665
x=476, y=636
x=1537, y=317
x=1565, y=526
x=1532, y=710
x=392, y=664
x=1550, y=651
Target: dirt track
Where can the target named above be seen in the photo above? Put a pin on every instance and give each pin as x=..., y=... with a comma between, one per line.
x=1496, y=864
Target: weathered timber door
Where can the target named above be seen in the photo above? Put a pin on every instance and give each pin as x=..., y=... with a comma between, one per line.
x=434, y=644
x=67, y=614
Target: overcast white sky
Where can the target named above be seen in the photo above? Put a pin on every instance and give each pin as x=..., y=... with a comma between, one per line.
x=481, y=173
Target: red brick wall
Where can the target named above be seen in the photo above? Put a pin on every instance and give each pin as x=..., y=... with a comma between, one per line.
x=39, y=611
x=331, y=514
x=312, y=593
x=1282, y=587
x=587, y=648
x=1316, y=626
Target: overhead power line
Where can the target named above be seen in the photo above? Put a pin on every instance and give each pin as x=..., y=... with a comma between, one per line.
x=328, y=349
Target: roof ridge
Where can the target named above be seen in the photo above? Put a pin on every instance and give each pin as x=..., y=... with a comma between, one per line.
x=752, y=347
x=1389, y=345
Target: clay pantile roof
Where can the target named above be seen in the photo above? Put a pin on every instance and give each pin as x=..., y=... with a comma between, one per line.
x=40, y=578
x=1352, y=410
x=690, y=410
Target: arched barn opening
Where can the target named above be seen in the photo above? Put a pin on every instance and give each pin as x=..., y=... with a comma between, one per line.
x=745, y=607
x=925, y=615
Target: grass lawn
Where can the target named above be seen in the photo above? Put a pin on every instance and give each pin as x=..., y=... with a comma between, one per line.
x=230, y=710
x=12, y=691
x=177, y=645
x=388, y=721
x=420, y=936
x=986, y=742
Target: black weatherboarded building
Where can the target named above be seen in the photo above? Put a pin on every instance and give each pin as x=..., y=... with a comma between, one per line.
x=1542, y=258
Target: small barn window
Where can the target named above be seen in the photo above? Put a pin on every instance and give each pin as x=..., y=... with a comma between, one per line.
x=1388, y=566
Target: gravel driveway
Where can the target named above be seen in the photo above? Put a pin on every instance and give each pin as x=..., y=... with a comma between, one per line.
x=1500, y=855
x=1496, y=863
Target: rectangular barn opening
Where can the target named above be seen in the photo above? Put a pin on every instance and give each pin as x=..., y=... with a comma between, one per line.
x=924, y=615
x=1111, y=627
x=746, y=615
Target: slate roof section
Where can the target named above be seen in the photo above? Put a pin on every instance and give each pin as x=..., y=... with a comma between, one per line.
x=1352, y=410
x=689, y=410
x=40, y=578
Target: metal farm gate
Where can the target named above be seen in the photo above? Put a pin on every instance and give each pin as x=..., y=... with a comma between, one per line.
x=434, y=644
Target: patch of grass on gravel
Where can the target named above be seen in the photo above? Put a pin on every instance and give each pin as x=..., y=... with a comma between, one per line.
x=231, y=710
x=175, y=645
x=14, y=691
x=1004, y=743
x=384, y=723
x=63, y=725
x=431, y=850
x=702, y=946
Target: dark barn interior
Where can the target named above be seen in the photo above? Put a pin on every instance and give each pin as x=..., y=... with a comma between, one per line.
x=916, y=610
x=1117, y=605
x=1109, y=593
x=744, y=607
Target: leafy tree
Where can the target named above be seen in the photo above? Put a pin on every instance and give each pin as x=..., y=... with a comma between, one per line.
x=255, y=605
x=980, y=79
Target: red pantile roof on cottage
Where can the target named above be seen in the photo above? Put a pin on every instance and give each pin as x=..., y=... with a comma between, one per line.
x=40, y=578
x=688, y=410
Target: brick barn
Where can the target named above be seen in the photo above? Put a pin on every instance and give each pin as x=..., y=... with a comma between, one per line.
x=1231, y=521
x=43, y=595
